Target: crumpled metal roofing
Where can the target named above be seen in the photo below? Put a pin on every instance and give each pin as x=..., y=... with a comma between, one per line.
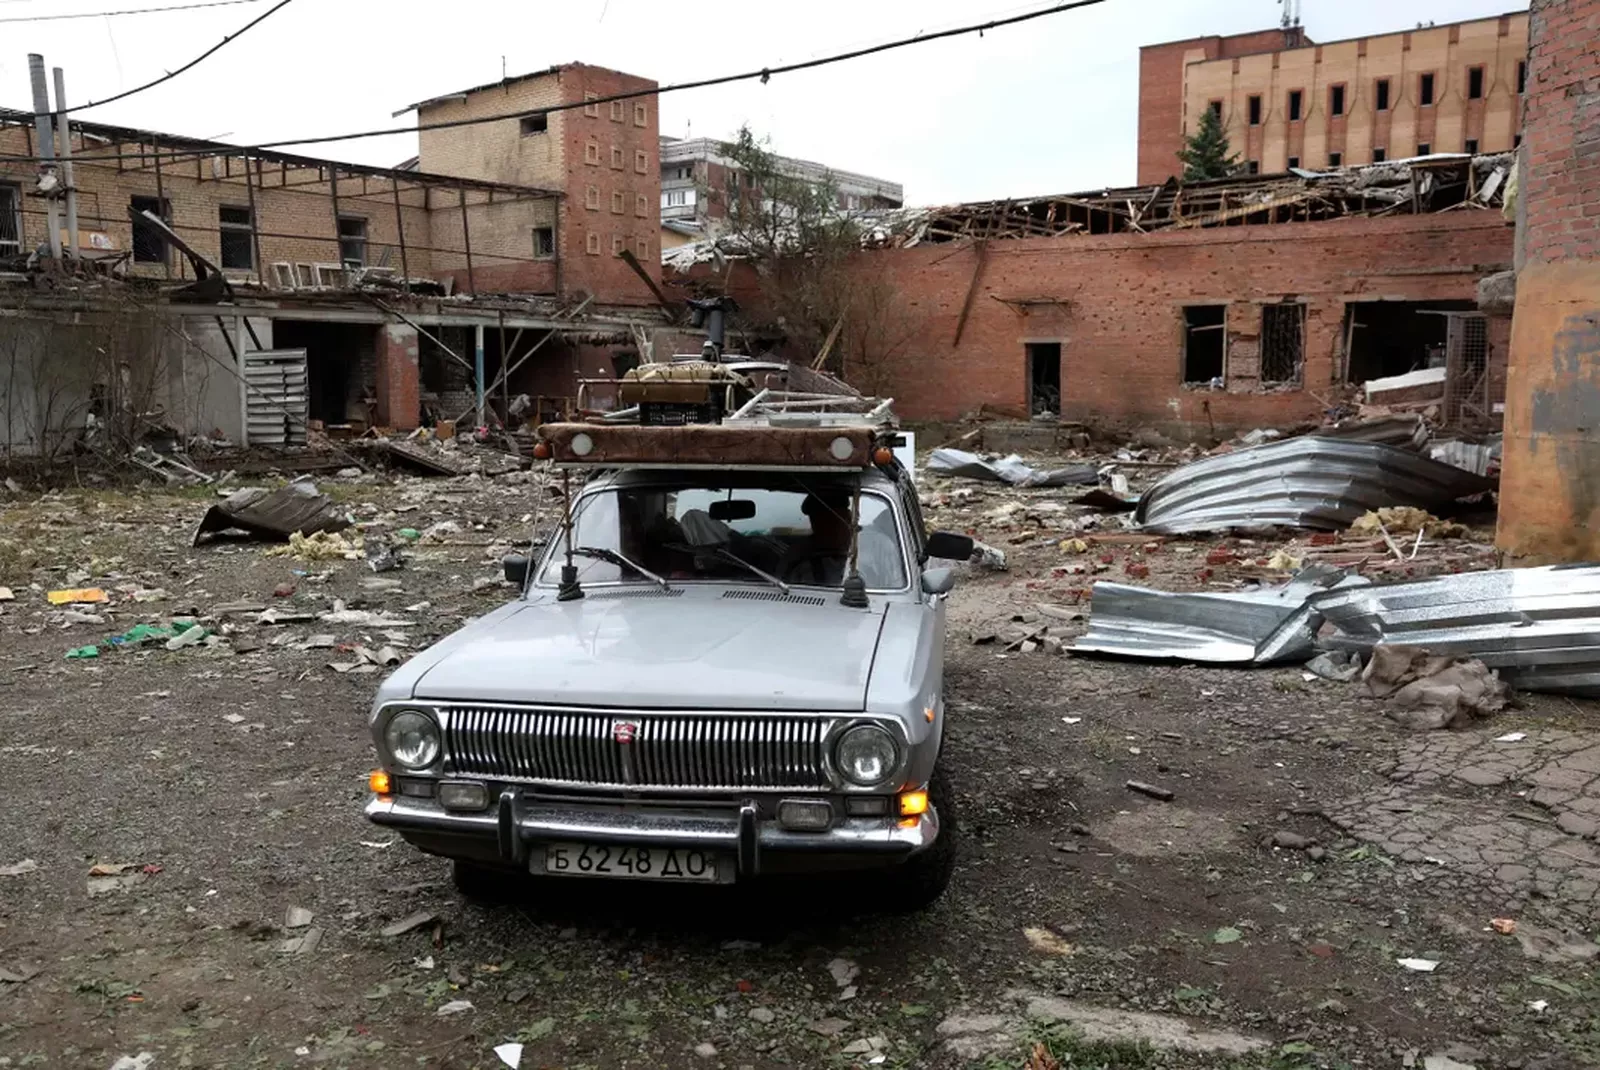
x=1539, y=626
x=1306, y=482
x=1243, y=627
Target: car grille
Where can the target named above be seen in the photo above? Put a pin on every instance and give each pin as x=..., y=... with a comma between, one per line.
x=667, y=750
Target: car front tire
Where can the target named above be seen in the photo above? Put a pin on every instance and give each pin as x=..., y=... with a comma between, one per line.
x=917, y=883
x=484, y=884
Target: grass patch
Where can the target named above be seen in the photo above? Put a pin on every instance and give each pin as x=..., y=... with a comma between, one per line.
x=1056, y=1046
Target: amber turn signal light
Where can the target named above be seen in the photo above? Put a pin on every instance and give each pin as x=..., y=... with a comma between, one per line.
x=541, y=451
x=882, y=455
x=913, y=803
x=379, y=783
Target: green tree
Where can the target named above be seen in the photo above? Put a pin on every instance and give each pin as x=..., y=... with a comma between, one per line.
x=1205, y=153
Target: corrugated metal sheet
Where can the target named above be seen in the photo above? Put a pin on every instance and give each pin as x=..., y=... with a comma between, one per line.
x=1307, y=482
x=276, y=400
x=1245, y=627
x=1539, y=626
x=274, y=515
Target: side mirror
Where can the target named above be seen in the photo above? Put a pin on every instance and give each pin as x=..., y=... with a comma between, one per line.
x=948, y=546
x=938, y=581
x=516, y=566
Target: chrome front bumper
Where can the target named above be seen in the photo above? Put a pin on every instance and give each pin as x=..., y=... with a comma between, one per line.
x=506, y=831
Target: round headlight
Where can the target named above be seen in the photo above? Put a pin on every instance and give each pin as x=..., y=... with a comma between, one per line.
x=866, y=755
x=581, y=445
x=841, y=448
x=412, y=739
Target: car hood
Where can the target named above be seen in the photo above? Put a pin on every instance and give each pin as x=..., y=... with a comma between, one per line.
x=694, y=651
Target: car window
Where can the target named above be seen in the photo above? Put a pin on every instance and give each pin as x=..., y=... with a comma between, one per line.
x=687, y=532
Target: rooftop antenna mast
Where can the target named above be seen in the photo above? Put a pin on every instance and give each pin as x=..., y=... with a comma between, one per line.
x=1291, y=13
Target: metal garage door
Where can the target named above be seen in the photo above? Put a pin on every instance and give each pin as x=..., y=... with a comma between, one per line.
x=275, y=401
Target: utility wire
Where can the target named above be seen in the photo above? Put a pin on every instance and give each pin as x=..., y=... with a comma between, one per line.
x=129, y=11
x=202, y=57
x=764, y=74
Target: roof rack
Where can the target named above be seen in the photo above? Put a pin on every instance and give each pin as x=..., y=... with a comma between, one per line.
x=790, y=408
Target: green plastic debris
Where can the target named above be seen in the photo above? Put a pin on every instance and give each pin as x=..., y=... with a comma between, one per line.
x=409, y=534
x=84, y=652
x=142, y=633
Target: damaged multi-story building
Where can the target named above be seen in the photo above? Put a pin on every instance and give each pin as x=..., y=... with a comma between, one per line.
x=236, y=284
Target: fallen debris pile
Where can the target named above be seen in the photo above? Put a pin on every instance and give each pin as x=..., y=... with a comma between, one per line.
x=1433, y=690
x=274, y=516
x=1011, y=469
x=1311, y=482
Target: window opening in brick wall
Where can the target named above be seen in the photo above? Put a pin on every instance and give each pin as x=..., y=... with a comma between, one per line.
x=592, y=243
x=1424, y=148
x=641, y=115
x=1282, y=342
x=591, y=152
x=618, y=202
x=1044, y=377
x=352, y=241
x=10, y=220
x=641, y=204
x=1470, y=145
x=618, y=111
x=1379, y=155
x=544, y=242
x=1466, y=377
x=1336, y=99
x=1394, y=337
x=1522, y=76
x=1254, y=106
x=1425, y=90
x=1381, y=94
x=618, y=243
x=1296, y=101
x=236, y=235
x=1252, y=167
x=641, y=161
x=1516, y=141
x=616, y=157
x=591, y=110
x=535, y=124
x=1335, y=159
x=149, y=246
x=1216, y=108
x=591, y=198
x=1294, y=161
x=1474, y=83
x=1203, y=335
x=641, y=248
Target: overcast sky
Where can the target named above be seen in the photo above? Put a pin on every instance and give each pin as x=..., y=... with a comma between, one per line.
x=1048, y=106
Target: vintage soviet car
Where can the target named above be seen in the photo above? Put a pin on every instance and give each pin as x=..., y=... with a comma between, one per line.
x=727, y=662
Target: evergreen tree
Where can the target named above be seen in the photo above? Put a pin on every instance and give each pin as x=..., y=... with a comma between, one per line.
x=1205, y=154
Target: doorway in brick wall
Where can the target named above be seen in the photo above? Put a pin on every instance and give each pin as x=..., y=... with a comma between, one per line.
x=1044, y=377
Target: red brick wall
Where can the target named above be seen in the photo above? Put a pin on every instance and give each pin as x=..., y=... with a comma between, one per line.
x=596, y=267
x=1561, y=139
x=1121, y=325
x=399, y=380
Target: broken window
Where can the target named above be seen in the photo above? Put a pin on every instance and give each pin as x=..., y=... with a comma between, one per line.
x=352, y=241
x=1255, y=110
x=1216, y=108
x=1044, y=377
x=1336, y=100
x=1474, y=83
x=10, y=220
x=544, y=242
x=1296, y=100
x=1282, y=342
x=1379, y=155
x=1335, y=159
x=1425, y=90
x=1424, y=148
x=237, y=235
x=1470, y=146
x=1203, y=335
x=1522, y=76
x=535, y=124
x=1252, y=167
x=1381, y=93
x=149, y=245
x=1386, y=338
x=1294, y=161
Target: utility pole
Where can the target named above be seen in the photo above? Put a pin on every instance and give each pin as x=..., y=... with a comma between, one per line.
x=64, y=133
x=48, y=179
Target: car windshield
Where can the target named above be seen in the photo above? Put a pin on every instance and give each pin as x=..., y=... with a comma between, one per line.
x=794, y=533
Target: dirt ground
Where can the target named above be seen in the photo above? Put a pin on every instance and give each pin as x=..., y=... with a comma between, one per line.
x=1310, y=843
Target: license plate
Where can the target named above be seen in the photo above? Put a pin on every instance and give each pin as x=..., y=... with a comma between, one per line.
x=644, y=863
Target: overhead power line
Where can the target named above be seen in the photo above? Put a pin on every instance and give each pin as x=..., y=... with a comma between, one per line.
x=128, y=11
x=764, y=74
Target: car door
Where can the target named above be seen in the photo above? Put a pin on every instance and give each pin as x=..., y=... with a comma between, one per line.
x=931, y=608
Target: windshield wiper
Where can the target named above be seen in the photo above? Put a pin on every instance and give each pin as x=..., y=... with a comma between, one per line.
x=615, y=558
x=728, y=555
